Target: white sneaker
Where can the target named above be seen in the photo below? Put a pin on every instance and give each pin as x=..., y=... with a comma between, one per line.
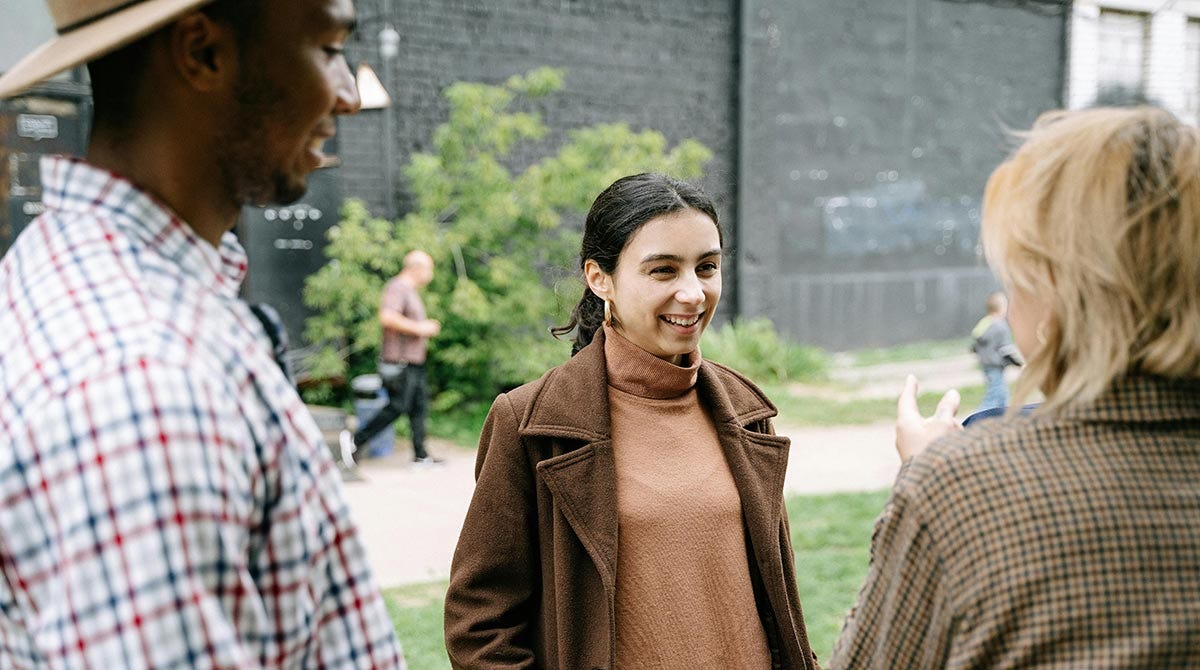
x=428, y=462
x=346, y=442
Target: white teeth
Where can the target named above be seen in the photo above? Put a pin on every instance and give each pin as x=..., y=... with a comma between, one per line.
x=680, y=322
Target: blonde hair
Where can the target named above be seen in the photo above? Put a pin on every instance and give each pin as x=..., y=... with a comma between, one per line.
x=1098, y=214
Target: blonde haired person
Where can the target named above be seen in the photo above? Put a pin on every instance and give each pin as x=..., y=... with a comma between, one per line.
x=1071, y=537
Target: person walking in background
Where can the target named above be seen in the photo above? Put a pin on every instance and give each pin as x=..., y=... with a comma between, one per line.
x=406, y=333
x=1069, y=537
x=168, y=501
x=637, y=432
x=993, y=345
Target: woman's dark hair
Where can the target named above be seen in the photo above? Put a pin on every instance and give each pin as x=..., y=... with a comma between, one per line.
x=618, y=213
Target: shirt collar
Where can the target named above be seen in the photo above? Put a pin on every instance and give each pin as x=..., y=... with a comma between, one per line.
x=71, y=185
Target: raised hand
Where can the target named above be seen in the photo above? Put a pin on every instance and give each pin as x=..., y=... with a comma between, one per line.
x=915, y=432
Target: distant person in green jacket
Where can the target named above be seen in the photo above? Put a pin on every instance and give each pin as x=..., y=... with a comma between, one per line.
x=993, y=345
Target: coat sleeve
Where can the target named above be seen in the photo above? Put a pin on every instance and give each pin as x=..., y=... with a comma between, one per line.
x=789, y=564
x=492, y=599
x=788, y=553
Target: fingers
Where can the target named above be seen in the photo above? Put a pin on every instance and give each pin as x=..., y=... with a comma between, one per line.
x=947, y=407
x=915, y=432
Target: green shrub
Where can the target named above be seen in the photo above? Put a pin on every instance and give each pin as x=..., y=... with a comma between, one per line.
x=756, y=350
x=497, y=239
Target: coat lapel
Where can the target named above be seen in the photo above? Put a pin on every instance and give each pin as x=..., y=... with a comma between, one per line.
x=757, y=461
x=572, y=408
x=583, y=483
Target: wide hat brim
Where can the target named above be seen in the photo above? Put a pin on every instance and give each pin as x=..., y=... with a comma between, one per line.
x=91, y=41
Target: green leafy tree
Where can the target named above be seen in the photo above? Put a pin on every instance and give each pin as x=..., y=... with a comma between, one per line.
x=498, y=240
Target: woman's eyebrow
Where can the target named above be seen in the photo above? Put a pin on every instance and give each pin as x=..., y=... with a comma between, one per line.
x=676, y=258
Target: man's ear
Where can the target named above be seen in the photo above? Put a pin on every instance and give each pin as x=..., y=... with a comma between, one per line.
x=203, y=52
x=599, y=281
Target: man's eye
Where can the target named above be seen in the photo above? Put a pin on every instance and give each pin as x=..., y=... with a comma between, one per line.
x=334, y=52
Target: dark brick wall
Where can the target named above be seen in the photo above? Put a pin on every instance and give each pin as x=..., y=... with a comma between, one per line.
x=860, y=132
x=668, y=65
x=852, y=139
x=868, y=132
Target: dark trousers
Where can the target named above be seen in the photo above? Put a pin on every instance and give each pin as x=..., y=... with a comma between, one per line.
x=408, y=393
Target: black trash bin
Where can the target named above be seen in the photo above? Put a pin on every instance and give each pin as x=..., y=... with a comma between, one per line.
x=369, y=397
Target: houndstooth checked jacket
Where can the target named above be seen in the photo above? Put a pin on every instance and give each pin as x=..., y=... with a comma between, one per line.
x=1070, y=541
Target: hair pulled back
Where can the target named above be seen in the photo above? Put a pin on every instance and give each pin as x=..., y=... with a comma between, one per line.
x=617, y=213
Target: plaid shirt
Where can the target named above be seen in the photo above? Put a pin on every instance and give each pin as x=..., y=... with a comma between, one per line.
x=1048, y=542
x=167, y=500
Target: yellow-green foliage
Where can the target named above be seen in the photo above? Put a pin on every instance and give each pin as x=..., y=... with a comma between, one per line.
x=498, y=240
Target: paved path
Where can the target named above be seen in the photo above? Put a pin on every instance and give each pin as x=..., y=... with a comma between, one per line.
x=410, y=517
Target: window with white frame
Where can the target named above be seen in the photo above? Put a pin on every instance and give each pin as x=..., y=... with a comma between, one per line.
x=1191, y=73
x=1123, y=44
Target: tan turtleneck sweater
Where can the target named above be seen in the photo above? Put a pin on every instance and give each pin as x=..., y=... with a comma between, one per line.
x=684, y=597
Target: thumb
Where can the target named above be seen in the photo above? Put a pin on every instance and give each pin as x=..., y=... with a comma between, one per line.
x=906, y=405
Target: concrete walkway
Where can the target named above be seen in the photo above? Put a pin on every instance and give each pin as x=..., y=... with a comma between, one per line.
x=410, y=516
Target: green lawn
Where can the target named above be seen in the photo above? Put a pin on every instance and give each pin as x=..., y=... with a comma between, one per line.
x=417, y=614
x=817, y=411
x=830, y=533
x=913, y=351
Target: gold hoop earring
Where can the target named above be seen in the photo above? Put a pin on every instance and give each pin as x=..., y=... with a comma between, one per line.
x=607, y=313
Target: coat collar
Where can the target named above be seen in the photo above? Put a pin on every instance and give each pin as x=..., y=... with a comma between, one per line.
x=572, y=401
x=1142, y=398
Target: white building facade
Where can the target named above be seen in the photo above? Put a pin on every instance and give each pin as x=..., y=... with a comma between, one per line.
x=1149, y=48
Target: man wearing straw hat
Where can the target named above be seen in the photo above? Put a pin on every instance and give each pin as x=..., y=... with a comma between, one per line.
x=167, y=500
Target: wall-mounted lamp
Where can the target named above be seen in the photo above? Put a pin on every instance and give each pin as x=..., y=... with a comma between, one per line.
x=371, y=92
x=389, y=42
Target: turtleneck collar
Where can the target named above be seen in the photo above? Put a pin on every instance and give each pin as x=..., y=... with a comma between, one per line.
x=638, y=372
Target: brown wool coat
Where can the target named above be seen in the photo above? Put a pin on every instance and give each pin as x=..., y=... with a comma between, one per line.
x=533, y=580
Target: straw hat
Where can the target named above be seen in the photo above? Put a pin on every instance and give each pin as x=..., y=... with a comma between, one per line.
x=88, y=29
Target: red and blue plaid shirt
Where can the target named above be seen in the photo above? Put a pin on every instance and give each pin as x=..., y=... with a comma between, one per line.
x=166, y=500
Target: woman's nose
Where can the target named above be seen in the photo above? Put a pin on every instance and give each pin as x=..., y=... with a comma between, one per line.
x=691, y=292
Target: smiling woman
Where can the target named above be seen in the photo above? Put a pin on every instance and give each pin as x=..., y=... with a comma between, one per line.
x=658, y=214
x=663, y=295
x=634, y=432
